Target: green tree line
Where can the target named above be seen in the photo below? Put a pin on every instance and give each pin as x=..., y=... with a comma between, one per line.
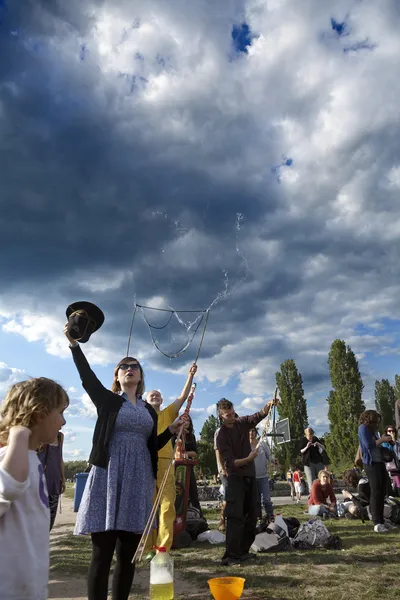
x=345, y=404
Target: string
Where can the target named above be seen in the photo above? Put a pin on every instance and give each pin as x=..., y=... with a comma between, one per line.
x=130, y=330
x=187, y=344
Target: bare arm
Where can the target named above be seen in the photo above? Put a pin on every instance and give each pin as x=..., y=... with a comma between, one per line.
x=220, y=461
x=239, y=462
x=302, y=450
x=178, y=403
x=16, y=460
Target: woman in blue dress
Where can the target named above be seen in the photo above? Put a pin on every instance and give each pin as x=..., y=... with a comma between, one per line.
x=117, y=500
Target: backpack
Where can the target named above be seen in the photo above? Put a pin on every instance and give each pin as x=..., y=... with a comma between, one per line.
x=391, y=510
x=273, y=539
x=293, y=525
x=311, y=535
x=195, y=522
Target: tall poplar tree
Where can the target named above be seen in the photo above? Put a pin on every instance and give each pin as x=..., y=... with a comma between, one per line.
x=397, y=386
x=293, y=406
x=345, y=403
x=385, y=399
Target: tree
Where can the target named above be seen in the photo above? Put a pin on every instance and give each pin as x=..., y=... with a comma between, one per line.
x=397, y=387
x=72, y=467
x=293, y=406
x=345, y=403
x=208, y=430
x=205, y=447
x=385, y=399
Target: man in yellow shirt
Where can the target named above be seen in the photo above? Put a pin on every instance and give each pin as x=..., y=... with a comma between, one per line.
x=166, y=417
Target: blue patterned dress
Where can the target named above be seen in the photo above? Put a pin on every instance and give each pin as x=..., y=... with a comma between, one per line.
x=120, y=497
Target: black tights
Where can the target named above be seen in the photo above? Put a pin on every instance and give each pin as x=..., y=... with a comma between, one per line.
x=103, y=546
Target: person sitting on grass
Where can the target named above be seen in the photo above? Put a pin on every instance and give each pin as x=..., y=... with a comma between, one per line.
x=356, y=504
x=321, y=490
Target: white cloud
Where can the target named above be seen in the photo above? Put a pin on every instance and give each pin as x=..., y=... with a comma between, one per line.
x=74, y=454
x=316, y=255
x=69, y=435
x=88, y=409
x=9, y=376
x=253, y=403
x=211, y=410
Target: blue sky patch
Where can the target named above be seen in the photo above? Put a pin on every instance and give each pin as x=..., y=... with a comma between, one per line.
x=242, y=37
x=341, y=29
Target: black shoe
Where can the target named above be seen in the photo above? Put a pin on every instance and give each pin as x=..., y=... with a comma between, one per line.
x=248, y=556
x=229, y=561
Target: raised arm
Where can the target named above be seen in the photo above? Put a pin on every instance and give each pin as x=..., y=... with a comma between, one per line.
x=178, y=403
x=14, y=468
x=253, y=420
x=89, y=380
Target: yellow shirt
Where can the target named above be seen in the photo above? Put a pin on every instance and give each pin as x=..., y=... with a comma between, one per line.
x=165, y=418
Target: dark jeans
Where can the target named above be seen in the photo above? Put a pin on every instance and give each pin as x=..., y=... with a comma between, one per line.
x=241, y=515
x=103, y=546
x=378, y=480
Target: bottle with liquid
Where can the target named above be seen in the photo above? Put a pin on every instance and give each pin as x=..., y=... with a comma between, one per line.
x=162, y=576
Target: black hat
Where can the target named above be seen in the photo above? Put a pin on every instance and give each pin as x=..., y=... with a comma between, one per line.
x=84, y=318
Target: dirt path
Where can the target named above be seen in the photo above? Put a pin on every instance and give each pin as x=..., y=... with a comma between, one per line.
x=64, y=586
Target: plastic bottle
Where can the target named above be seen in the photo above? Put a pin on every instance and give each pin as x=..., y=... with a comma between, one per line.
x=162, y=576
x=279, y=520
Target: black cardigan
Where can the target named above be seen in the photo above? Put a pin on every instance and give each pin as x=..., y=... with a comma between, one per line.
x=108, y=404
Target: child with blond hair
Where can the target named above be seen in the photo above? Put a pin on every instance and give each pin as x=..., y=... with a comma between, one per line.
x=31, y=415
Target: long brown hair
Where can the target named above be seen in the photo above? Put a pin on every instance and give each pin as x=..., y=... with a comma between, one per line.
x=116, y=385
x=370, y=418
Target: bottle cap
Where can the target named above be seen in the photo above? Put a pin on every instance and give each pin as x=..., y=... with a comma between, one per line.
x=160, y=548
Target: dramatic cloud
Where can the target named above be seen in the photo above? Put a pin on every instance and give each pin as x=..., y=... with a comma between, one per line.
x=9, y=376
x=239, y=155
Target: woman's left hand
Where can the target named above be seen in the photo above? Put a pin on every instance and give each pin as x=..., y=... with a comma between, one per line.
x=62, y=488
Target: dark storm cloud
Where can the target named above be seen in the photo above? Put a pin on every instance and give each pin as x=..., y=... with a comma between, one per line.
x=127, y=178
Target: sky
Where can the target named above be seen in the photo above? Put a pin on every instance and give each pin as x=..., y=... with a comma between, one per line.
x=241, y=156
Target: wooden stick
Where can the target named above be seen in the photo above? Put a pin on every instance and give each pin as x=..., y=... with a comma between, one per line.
x=143, y=540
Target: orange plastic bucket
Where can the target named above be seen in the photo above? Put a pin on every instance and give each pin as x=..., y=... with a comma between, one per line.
x=226, y=588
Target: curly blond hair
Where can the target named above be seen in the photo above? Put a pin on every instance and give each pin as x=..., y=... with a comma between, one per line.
x=28, y=402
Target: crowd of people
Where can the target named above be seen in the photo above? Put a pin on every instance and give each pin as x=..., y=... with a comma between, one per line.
x=130, y=455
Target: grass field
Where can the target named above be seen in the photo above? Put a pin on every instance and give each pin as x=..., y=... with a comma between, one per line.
x=367, y=567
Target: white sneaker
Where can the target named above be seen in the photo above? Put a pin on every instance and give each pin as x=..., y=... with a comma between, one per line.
x=381, y=528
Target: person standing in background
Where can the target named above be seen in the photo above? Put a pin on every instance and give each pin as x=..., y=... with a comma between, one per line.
x=261, y=463
x=289, y=479
x=311, y=450
x=51, y=458
x=223, y=476
x=374, y=465
x=297, y=475
x=163, y=537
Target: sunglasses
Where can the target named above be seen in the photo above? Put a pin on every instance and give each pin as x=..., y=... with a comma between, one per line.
x=126, y=366
x=390, y=430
